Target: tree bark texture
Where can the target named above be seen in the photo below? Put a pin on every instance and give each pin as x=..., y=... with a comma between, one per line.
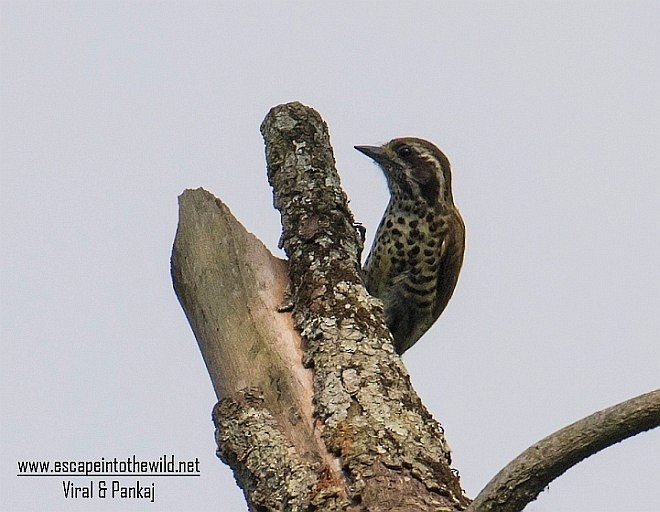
x=316, y=411
x=392, y=451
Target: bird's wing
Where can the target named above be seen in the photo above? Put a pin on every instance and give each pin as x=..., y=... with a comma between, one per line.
x=450, y=261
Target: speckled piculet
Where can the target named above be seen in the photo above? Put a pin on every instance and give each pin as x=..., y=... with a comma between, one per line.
x=418, y=248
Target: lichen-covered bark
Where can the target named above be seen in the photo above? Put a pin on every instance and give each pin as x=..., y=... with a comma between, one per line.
x=273, y=474
x=393, y=452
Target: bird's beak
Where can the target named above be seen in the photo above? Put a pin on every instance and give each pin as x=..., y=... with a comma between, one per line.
x=376, y=153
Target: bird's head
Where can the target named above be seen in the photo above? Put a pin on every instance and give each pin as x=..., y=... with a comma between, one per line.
x=415, y=169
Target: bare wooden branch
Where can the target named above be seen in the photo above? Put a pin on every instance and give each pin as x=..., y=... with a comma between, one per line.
x=242, y=283
x=521, y=481
x=230, y=286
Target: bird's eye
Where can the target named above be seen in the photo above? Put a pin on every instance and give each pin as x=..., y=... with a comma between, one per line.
x=404, y=151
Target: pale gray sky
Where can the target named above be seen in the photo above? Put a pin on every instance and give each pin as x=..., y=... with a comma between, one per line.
x=549, y=112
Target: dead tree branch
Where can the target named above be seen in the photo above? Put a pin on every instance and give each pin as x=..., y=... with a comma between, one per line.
x=230, y=286
x=521, y=481
x=331, y=425
x=316, y=411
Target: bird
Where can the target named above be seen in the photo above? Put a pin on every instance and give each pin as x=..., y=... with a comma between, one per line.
x=418, y=248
